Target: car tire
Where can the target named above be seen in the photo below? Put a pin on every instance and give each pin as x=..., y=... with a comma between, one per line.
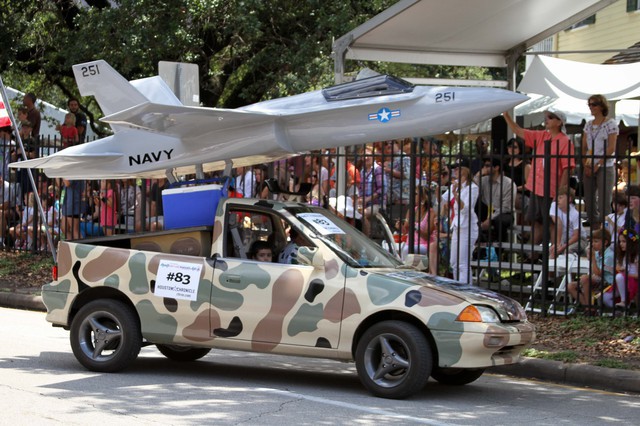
x=182, y=353
x=393, y=359
x=105, y=336
x=456, y=376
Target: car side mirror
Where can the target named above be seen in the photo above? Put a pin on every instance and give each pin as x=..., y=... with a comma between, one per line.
x=310, y=256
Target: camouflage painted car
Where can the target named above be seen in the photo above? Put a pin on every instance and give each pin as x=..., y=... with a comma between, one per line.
x=189, y=290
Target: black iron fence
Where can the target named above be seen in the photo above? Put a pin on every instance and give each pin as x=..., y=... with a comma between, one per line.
x=463, y=206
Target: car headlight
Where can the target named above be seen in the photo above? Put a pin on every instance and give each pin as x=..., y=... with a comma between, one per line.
x=478, y=313
x=522, y=314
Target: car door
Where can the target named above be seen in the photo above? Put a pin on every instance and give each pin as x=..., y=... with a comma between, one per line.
x=270, y=304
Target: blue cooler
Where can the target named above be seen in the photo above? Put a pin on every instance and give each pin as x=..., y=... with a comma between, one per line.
x=190, y=206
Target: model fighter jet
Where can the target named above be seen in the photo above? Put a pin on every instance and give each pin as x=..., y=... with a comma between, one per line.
x=156, y=135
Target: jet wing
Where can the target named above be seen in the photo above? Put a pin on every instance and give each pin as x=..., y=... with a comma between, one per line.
x=67, y=165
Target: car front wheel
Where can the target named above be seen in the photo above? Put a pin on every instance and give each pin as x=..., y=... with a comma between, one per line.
x=182, y=353
x=393, y=359
x=105, y=336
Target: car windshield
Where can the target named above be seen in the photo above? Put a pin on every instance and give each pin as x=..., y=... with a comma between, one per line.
x=352, y=246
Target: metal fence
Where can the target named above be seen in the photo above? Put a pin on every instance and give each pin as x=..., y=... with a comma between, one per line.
x=409, y=182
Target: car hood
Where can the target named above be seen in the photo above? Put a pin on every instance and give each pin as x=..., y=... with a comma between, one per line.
x=507, y=308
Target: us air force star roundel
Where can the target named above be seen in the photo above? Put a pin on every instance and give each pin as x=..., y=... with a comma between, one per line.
x=384, y=114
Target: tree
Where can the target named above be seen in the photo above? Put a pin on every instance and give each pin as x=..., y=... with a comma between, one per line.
x=246, y=50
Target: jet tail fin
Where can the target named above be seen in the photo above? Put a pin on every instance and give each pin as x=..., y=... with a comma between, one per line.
x=112, y=91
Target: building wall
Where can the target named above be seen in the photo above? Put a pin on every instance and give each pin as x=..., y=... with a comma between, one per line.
x=615, y=28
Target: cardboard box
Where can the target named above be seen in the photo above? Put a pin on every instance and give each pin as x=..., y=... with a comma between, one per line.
x=190, y=206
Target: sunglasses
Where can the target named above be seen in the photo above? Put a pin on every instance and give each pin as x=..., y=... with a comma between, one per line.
x=552, y=117
x=593, y=104
x=314, y=176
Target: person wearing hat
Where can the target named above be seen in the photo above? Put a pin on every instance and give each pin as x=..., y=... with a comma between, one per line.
x=560, y=164
x=598, y=171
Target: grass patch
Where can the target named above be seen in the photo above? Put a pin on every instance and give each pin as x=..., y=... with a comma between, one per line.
x=613, y=326
x=564, y=356
x=24, y=263
x=7, y=266
x=41, y=263
x=587, y=341
x=612, y=363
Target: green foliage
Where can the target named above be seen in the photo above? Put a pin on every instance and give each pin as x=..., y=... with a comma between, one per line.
x=564, y=356
x=246, y=50
x=6, y=266
x=588, y=341
x=614, y=326
x=34, y=263
x=612, y=363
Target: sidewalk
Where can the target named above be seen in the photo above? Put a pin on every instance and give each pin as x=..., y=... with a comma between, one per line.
x=584, y=375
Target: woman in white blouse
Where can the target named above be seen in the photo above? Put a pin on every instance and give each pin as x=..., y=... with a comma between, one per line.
x=598, y=168
x=462, y=196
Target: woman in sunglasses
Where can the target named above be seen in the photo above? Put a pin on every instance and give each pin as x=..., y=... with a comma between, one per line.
x=598, y=167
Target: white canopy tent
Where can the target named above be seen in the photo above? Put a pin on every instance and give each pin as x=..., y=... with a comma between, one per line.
x=489, y=33
x=566, y=85
x=561, y=78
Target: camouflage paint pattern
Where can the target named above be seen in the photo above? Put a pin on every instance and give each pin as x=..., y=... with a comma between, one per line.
x=312, y=309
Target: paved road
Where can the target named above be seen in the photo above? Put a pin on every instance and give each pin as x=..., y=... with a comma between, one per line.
x=41, y=383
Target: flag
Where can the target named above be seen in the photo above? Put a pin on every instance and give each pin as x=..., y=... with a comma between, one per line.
x=4, y=116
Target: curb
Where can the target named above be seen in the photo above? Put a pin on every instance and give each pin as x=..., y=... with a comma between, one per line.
x=22, y=301
x=609, y=379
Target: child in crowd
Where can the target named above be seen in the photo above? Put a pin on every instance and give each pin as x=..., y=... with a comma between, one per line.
x=614, y=222
x=462, y=196
x=261, y=251
x=439, y=245
x=626, y=270
x=424, y=227
x=569, y=236
x=108, y=207
x=68, y=131
x=52, y=212
x=601, y=255
x=22, y=233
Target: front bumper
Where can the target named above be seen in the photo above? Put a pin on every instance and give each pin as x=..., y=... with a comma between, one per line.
x=483, y=345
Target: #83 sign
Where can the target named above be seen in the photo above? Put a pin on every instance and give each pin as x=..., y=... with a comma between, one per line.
x=321, y=223
x=178, y=280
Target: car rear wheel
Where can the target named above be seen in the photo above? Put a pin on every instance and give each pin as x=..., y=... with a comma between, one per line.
x=393, y=359
x=456, y=376
x=182, y=353
x=105, y=336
